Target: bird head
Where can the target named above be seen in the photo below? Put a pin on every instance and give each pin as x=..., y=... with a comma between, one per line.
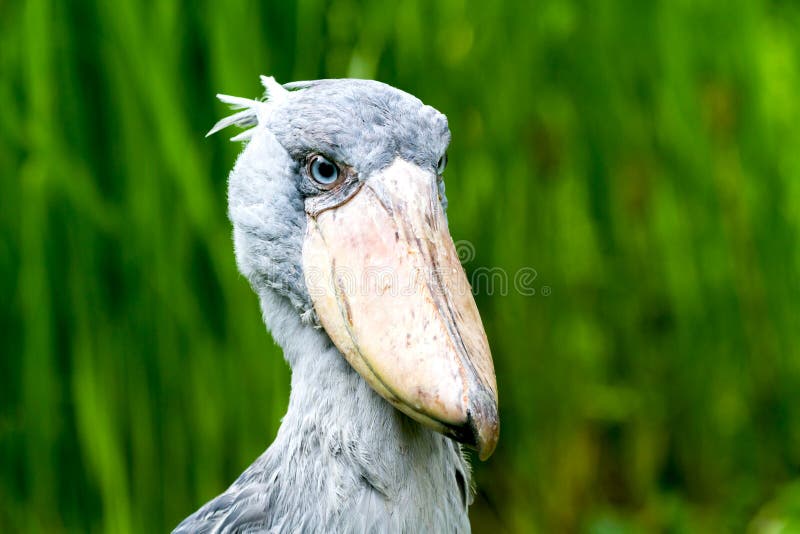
x=338, y=204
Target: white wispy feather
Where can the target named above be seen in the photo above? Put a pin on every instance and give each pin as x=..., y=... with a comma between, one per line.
x=252, y=112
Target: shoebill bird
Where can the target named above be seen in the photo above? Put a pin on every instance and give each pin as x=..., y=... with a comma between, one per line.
x=338, y=211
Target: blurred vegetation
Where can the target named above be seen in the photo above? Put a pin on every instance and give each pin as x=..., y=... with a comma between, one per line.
x=643, y=157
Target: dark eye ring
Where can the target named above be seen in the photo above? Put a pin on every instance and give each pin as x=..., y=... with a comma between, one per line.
x=323, y=171
x=442, y=165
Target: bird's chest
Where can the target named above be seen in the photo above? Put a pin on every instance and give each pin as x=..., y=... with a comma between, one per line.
x=419, y=484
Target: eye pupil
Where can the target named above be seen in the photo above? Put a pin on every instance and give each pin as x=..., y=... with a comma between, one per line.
x=323, y=171
x=326, y=170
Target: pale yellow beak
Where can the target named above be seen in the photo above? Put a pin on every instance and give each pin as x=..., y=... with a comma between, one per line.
x=388, y=288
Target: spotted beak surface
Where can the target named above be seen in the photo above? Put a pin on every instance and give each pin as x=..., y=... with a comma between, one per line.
x=388, y=288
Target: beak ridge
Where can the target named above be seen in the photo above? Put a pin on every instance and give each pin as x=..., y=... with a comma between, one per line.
x=388, y=288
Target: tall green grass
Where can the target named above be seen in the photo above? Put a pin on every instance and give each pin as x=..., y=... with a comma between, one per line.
x=643, y=158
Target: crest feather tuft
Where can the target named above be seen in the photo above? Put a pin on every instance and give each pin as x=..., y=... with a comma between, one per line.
x=250, y=112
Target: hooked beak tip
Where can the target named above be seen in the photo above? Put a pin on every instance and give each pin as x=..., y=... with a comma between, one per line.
x=481, y=427
x=483, y=421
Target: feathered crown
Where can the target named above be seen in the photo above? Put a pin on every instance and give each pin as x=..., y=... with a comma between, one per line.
x=252, y=112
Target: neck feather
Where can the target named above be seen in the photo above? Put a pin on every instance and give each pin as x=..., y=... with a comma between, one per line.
x=351, y=448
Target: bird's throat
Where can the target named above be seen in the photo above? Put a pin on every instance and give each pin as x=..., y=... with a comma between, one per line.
x=343, y=439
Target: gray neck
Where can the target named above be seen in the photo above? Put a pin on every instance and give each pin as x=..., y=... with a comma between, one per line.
x=344, y=454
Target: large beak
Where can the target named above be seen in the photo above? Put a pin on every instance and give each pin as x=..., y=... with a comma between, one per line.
x=388, y=288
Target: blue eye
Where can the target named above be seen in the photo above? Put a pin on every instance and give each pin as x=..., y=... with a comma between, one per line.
x=442, y=165
x=323, y=171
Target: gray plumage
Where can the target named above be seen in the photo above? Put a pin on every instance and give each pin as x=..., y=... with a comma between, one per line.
x=344, y=459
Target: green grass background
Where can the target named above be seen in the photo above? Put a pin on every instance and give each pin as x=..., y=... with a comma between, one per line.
x=642, y=157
